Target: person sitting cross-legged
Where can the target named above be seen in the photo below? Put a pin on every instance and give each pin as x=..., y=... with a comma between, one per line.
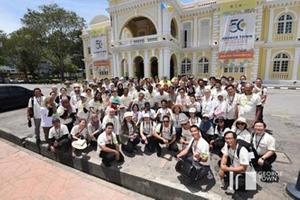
x=108, y=145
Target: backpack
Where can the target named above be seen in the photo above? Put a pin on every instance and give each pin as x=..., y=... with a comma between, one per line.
x=161, y=128
x=249, y=146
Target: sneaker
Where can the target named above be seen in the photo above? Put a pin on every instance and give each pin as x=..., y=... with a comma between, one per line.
x=224, y=184
x=229, y=191
x=158, y=153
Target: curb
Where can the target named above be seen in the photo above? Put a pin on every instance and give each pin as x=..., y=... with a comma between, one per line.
x=158, y=189
x=283, y=87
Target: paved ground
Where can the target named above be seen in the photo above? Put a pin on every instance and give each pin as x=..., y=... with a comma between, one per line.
x=25, y=175
x=281, y=114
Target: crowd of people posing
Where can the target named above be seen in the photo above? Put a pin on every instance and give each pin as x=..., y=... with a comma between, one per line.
x=189, y=117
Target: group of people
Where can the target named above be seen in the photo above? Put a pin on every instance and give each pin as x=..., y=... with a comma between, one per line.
x=189, y=117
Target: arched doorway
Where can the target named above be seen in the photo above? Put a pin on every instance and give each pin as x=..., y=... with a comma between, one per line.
x=137, y=27
x=154, y=67
x=139, y=67
x=174, y=28
x=173, y=64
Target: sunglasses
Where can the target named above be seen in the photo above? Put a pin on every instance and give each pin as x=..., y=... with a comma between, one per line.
x=240, y=123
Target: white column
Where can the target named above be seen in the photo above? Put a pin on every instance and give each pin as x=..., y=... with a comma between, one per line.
x=118, y=65
x=255, y=64
x=166, y=66
x=213, y=62
x=160, y=64
x=146, y=65
x=298, y=24
x=270, y=33
x=268, y=63
x=159, y=25
x=130, y=67
x=194, y=64
x=113, y=71
x=195, y=42
x=296, y=64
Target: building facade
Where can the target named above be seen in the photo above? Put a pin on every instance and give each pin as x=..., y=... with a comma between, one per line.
x=147, y=38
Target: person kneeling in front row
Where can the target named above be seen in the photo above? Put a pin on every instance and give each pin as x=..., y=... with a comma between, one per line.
x=59, y=137
x=165, y=134
x=108, y=145
x=195, y=157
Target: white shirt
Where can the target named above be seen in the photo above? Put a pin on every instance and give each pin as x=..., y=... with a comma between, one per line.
x=166, y=133
x=200, y=146
x=75, y=130
x=58, y=133
x=264, y=144
x=45, y=120
x=248, y=104
x=242, y=159
x=163, y=112
x=231, y=107
x=184, y=101
x=207, y=106
x=113, y=120
x=37, y=102
x=158, y=97
x=125, y=100
x=147, y=128
x=104, y=139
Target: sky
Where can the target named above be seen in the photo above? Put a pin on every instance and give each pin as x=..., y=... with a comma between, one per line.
x=11, y=11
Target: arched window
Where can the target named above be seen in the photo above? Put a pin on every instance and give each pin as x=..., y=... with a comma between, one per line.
x=203, y=65
x=285, y=24
x=281, y=63
x=186, y=66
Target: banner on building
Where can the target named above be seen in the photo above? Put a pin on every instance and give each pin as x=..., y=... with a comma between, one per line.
x=228, y=6
x=99, y=48
x=237, y=36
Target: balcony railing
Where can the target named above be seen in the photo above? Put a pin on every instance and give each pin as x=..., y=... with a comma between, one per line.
x=146, y=40
x=279, y=75
x=284, y=37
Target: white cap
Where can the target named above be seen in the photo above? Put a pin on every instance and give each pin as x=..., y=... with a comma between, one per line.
x=146, y=115
x=128, y=114
x=83, y=95
x=192, y=110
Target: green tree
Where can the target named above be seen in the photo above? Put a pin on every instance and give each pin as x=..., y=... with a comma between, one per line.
x=3, y=57
x=24, y=51
x=58, y=34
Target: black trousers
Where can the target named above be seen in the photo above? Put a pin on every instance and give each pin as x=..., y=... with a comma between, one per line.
x=129, y=147
x=267, y=165
x=64, y=143
x=201, y=170
x=229, y=123
x=109, y=157
x=172, y=147
x=151, y=145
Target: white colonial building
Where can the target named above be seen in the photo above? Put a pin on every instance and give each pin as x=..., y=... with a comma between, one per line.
x=147, y=38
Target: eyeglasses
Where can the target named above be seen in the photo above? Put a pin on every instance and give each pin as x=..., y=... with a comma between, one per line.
x=166, y=121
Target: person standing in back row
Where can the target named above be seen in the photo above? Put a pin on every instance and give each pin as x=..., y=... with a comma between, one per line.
x=33, y=111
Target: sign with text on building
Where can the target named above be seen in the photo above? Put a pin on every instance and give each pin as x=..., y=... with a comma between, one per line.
x=236, y=5
x=237, y=36
x=99, y=47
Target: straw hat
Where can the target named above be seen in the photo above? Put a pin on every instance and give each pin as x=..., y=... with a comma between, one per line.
x=79, y=144
x=128, y=114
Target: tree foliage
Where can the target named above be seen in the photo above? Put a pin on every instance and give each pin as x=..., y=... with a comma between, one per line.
x=57, y=32
x=23, y=50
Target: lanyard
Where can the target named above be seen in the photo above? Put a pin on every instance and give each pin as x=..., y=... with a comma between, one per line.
x=257, y=143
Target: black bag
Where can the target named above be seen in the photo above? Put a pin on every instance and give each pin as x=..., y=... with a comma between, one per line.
x=186, y=169
x=250, y=149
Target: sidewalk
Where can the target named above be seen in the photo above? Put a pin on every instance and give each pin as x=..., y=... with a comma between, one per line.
x=25, y=175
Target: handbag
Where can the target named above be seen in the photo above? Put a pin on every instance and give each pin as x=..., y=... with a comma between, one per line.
x=186, y=169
